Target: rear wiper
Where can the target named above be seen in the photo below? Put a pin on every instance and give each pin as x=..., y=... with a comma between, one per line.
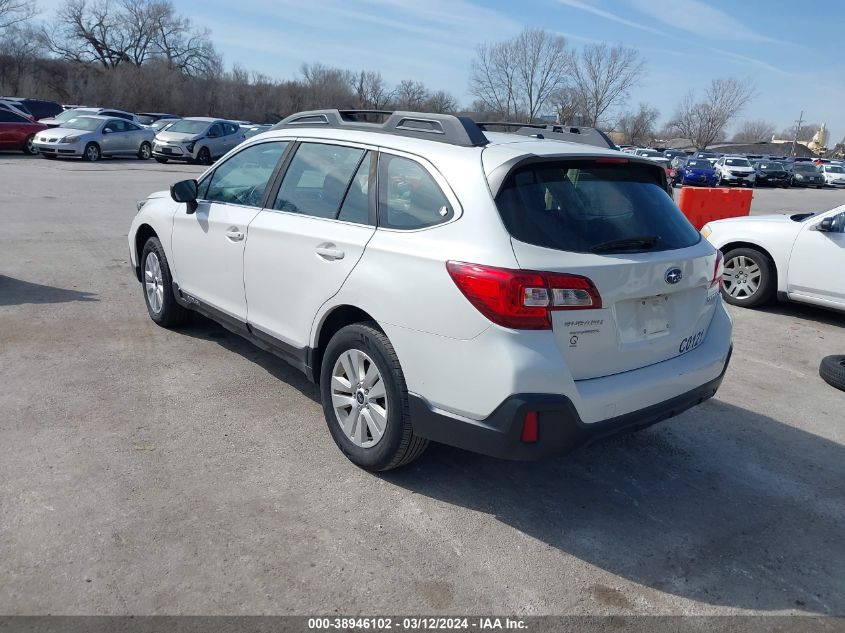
x=628, y=244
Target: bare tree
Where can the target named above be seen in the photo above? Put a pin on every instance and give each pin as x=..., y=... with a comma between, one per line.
x=410, y=95
x=327, y=87
x=567, y=106
x=754, y=132
x=441, y=102
x=804, y=133
x=637, y=127
x=19, y=47
x=517, y=78
x=371, y=90
x=114, y=32
x=15, y=12
x=705, y=121
x=603, y=77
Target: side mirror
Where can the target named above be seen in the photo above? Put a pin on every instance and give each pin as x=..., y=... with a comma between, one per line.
x=827, y=225
x=107, y=130
x=185, y=191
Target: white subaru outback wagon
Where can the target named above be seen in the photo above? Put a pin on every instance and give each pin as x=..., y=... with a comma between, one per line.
x=514, y=294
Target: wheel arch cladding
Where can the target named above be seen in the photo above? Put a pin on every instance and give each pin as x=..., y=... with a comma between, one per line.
x=337, y=318
x=144, y=232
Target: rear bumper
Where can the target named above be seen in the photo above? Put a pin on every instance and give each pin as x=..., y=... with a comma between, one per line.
x=561, y=429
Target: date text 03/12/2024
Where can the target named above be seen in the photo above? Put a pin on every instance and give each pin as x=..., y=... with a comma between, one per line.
x=414, y=623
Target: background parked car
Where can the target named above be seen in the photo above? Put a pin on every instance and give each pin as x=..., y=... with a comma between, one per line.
x=196, y=139
x=806, y=174
x=162, y=124
x=653, y=154
x=734, y=170
x=148, y=118
x=38, y=108
x=695, y=171
x=834, y=175
x=251, y=130
x=92, y=137
x=17, y=108
x=772, y=174
x=67, y=115
x=18, y=132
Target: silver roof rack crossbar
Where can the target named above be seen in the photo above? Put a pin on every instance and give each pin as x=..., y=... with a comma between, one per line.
x=572, y=133
x=444, y=128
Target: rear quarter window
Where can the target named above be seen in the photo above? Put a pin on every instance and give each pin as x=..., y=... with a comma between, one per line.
x=577, y=205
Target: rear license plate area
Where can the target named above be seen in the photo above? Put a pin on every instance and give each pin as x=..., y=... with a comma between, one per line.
x=653, y=316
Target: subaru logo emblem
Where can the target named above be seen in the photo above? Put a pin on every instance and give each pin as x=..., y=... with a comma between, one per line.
x=673, y=275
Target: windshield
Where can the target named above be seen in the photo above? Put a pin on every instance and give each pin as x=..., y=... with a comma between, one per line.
x=83, y=123
x=770, y=166
x=834, y=169
x=699, y=164
x=737, y=162
x=162, y=124
x=189, y=127
x=807, y=167
x=578, y=205
x=67, y=115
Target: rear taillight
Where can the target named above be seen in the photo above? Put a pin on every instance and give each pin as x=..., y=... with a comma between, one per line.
x=522, y=299
x=718, y=271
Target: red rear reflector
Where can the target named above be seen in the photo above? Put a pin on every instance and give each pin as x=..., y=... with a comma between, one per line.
x=531, y=427
x=612, y=160
x=718, y=271
x=522, y=299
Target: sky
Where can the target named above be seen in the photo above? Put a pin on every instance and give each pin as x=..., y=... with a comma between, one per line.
x=790, y=50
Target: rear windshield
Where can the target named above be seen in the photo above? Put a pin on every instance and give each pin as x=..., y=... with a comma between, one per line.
x=581, y=205
x=699, y=163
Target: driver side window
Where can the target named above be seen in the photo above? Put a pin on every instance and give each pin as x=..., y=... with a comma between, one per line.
x=243, y=178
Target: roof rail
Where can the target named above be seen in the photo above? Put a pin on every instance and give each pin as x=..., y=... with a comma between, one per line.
x=571, y=133
x=444, y=128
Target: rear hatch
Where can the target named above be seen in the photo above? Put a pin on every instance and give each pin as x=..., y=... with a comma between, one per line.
x=611, y=221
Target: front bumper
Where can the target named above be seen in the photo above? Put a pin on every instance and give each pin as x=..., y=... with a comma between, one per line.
x=736, y=179
x=704, y=181
x=60, y=149
x=561, y=429
x=171, y=151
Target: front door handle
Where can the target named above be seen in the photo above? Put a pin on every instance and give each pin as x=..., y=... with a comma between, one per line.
x=234, y=234
x=329, y=252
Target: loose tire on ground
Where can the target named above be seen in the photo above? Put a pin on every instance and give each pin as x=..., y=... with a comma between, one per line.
x=737, y=290
x=163, y=309
x=832, y=371
x=398, y=445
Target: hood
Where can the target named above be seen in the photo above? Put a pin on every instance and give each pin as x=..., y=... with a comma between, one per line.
x=739, y=169
x=178, y=137
x=50, y=122
x=61, y=132
x=775, y=217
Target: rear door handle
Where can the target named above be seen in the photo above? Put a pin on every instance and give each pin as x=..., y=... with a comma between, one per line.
x=234, y=234
x=329, y=251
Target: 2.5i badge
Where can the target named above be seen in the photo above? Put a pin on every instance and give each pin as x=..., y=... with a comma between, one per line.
x=691, y=342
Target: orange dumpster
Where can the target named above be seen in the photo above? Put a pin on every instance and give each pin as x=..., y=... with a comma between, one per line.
x=703, y=204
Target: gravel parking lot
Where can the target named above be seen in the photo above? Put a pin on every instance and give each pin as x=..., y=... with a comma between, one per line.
x=186, y=472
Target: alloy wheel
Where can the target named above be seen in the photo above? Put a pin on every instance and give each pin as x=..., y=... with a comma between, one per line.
x=359, y=398
x=153, y=282
x=741, y=277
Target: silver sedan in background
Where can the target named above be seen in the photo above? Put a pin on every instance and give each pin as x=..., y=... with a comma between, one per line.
x=93, y=137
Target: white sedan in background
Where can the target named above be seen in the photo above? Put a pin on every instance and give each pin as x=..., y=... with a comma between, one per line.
x=798, y=257
x=834, y=175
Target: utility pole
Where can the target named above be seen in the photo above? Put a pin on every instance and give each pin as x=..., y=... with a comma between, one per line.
x=797, y=129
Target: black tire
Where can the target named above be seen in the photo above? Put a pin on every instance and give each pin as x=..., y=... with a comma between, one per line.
x=28, y=147
x=832, y=371
x=204, y=156
x=160, y=160
x=171, y=314
x=398, y=445
x=91, y=153
x=767, y=284
x=145, y=151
